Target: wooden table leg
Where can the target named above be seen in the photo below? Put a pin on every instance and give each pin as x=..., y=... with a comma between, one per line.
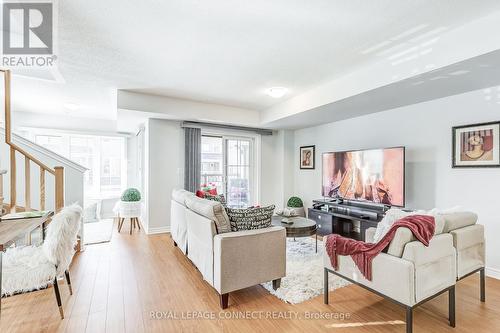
x=138, y=223
x=131, y=219
x=120, y=224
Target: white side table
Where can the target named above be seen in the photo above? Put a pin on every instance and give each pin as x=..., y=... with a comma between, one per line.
x=128, y=210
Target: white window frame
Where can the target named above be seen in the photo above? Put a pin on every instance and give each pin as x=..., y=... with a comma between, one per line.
x=255, y=161
x=31, y=132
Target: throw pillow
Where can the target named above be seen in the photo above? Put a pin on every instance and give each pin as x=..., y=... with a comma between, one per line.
x=219, y=198
x=90, y=213
x=391, y=216
x=250, y=218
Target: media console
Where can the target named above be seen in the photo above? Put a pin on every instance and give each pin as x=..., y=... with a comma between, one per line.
x=344, y=217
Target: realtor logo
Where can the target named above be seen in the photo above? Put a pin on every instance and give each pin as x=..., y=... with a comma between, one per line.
x=27, y=28
x=29, y=31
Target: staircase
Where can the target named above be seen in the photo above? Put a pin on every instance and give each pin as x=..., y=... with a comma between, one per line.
x=16, y=151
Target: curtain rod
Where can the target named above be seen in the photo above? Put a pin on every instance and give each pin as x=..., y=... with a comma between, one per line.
x=196, y=124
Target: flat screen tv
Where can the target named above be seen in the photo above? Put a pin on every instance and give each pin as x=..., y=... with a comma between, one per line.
x=373, y=175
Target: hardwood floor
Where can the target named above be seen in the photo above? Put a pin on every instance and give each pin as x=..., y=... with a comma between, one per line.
x=118, y=284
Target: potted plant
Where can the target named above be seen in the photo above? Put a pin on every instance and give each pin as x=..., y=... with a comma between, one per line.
x=296, y=207
x=130, y=203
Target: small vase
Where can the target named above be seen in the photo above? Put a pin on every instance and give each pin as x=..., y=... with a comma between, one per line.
x=297, y=211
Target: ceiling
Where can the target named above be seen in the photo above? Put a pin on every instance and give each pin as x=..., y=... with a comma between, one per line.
x=224, y=52
x=473, y=74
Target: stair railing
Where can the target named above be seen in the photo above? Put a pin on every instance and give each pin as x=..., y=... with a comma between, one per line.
x=57, y=172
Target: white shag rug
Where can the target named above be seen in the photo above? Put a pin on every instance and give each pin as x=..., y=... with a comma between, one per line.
x=304, y=272
x=98, y=232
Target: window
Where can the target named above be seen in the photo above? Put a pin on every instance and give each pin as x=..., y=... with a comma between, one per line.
x=212, y=161
x=227, y=163
x=104, y=156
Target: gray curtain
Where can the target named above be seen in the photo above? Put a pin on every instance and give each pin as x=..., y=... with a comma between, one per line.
x=192, y=159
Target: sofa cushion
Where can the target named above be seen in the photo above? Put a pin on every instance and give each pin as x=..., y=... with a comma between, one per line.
x=453, y=221
x=212, y=210
x=403, y=235
x=219, y=198
x=391, y=216
x=179, y=195
x=250, y=218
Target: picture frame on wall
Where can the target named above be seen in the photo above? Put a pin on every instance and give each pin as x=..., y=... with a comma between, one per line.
x=476, y=145
x=307, y=157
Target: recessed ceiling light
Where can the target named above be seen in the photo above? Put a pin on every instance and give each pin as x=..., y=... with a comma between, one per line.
x=277, y=92
x=71, y=106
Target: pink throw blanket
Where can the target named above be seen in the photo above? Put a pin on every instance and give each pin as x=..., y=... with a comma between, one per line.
x=422, y=226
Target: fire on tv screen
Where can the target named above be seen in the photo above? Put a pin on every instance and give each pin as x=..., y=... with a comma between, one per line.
x=375, y=175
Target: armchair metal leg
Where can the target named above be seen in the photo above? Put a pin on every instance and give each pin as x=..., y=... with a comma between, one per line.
x=58, y=298
x=482, y=284
x=224, y=300
x=276, y=283
x=409, y=319
x=68, y=280
x=451, y=306
x=325, y=286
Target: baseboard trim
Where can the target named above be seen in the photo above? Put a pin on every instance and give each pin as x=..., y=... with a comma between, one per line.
x=493, y=272
x=158, y=230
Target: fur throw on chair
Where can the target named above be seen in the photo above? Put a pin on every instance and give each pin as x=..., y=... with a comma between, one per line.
x=61, y=238
x=34, y=267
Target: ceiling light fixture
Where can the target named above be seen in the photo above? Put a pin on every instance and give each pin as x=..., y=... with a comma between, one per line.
x=277, y=92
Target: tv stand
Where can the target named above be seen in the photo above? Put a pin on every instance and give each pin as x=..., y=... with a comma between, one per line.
x=345, y=217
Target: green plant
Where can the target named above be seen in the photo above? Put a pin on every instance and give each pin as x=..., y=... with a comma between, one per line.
x=131, y=194
x=295, y=202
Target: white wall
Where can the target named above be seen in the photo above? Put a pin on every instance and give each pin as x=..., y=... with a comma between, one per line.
x=164, y=171
x=425, y=130
x=276, y=168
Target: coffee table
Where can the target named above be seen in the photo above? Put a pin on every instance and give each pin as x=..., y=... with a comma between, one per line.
x=301, y=227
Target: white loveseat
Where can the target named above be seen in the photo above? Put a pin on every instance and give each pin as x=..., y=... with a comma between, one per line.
x=227, y=261
x=409, y=274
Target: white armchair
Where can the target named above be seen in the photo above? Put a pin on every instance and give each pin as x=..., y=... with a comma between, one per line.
x=409, y=274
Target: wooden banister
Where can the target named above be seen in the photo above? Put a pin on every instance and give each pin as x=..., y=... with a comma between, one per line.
x=42, y=189
x=27, y=184
x=57, y=172
x=13, y=182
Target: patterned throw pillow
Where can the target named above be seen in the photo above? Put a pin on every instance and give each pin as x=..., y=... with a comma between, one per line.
x=219, y=198
x=250, y=218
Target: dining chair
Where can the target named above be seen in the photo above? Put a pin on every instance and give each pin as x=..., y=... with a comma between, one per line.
x=31, y=268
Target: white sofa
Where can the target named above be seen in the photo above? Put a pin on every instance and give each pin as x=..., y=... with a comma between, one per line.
x=409, y=274
x=227, y=261
x=178, y=225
